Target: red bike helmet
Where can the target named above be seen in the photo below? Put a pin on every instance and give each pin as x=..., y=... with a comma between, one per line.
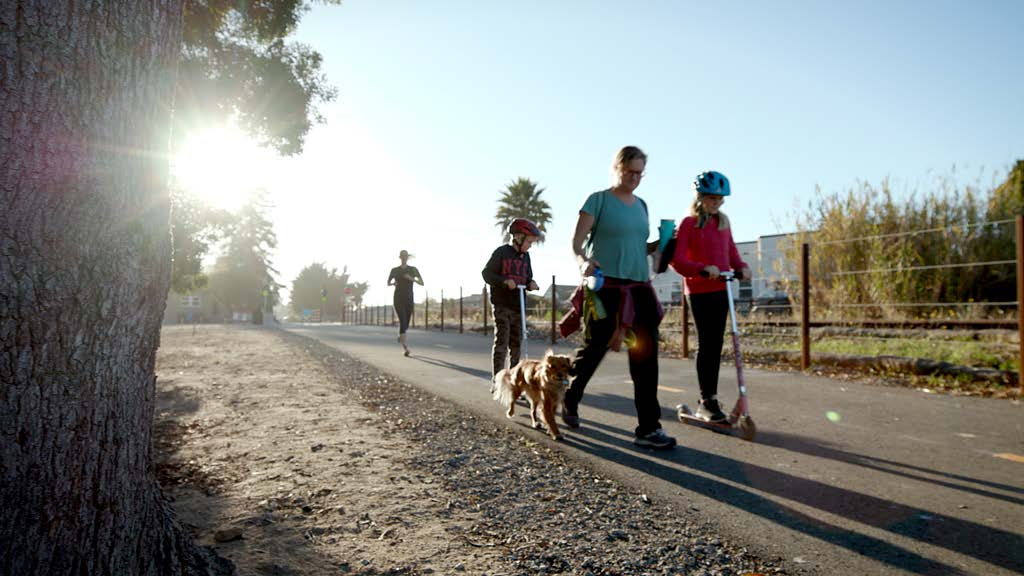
x=524, y=226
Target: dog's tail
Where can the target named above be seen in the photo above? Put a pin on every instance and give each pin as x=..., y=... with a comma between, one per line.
x=503, y=387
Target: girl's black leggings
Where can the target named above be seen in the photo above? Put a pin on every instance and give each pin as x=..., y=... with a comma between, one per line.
x=709, y=310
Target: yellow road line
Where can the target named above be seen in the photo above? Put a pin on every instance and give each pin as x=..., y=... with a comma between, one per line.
x=1010, y=457
x=670, y=389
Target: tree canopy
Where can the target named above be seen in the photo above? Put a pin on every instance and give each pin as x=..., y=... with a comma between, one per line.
x=522, y=199
x=235, y=62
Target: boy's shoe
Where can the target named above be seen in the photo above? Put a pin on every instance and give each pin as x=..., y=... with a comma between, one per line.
x=710, y=410
x=570, y=416
x=655, y=439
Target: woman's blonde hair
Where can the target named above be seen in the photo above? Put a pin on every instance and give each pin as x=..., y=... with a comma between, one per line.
x=624, y=156
x=697, y=210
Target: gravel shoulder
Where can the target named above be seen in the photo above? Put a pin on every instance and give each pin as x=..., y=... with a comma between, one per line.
x=291, y=458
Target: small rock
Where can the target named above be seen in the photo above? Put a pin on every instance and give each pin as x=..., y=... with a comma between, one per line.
x=227, y=535
x=617, y=535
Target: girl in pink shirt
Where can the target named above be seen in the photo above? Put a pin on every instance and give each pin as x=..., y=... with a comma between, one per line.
x=704, y=248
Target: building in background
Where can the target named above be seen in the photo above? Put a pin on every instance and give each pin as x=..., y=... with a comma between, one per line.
x=194, y=308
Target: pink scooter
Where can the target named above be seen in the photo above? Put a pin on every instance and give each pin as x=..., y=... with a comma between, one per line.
x=739, y=422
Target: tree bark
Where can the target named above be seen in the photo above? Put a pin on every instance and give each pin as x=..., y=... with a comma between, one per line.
x=85, y=105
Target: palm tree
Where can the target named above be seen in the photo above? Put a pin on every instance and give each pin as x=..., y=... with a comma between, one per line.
x=521, y=199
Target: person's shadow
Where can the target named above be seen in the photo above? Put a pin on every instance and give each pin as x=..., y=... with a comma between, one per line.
x=485, y=374
x=739, y=483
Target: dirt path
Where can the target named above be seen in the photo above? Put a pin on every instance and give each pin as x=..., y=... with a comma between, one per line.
x=290, y=458
x=258, y=440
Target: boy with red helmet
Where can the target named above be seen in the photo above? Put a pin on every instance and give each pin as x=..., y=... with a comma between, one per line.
x=509, y=267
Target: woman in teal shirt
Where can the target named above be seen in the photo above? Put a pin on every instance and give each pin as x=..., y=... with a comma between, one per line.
x=611, y=235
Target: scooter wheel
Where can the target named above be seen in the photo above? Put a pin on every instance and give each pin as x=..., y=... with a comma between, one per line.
x=683, y=410
x=747, y=428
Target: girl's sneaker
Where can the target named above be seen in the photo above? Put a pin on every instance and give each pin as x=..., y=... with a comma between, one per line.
x=710, y=410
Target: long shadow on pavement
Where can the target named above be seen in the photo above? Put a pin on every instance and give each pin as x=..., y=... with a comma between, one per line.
x=971, y=539
x=804, y=445
x=485, y=374
x=811, y=447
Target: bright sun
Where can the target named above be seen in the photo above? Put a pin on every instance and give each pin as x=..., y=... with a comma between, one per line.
x=221, y=166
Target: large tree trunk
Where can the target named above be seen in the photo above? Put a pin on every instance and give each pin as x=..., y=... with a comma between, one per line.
x=85, y=105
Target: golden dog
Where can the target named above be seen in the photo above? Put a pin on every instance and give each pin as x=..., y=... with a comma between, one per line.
x=543, y=381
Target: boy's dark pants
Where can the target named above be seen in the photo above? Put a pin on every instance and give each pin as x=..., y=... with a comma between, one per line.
x=710, y=310
x=508, y=333
x=643, y=354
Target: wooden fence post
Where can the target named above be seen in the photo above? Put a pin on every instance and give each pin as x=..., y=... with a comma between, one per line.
x=554, y=307
x=805, y=308
x=442, y=310
x=1020, y=300
x=483, y=303
x=460, y=309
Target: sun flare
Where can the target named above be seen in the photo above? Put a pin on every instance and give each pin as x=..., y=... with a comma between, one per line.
x=220, y=166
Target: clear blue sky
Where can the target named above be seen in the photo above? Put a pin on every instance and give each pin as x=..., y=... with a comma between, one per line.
x=441, y=104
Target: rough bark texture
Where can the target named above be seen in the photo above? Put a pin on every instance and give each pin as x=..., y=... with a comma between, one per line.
x=85, y=102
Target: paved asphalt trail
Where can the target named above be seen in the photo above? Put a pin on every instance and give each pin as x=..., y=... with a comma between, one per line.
x=896, y=481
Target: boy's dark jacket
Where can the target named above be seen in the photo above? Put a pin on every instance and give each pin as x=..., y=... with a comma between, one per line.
x=507, y=263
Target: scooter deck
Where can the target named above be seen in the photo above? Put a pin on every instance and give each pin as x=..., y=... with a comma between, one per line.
x=742, y=425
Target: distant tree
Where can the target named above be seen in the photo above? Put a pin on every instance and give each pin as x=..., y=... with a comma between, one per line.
x=522, y=199
x=89, y=93
x=195, y=228
x=358, y=292
x=245, y=269
x=308, y=287
x=312, y=282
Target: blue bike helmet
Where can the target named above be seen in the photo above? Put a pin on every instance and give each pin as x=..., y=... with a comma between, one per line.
x=711, y=182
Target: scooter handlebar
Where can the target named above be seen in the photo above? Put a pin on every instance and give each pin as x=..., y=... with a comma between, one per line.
x=726, y=276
